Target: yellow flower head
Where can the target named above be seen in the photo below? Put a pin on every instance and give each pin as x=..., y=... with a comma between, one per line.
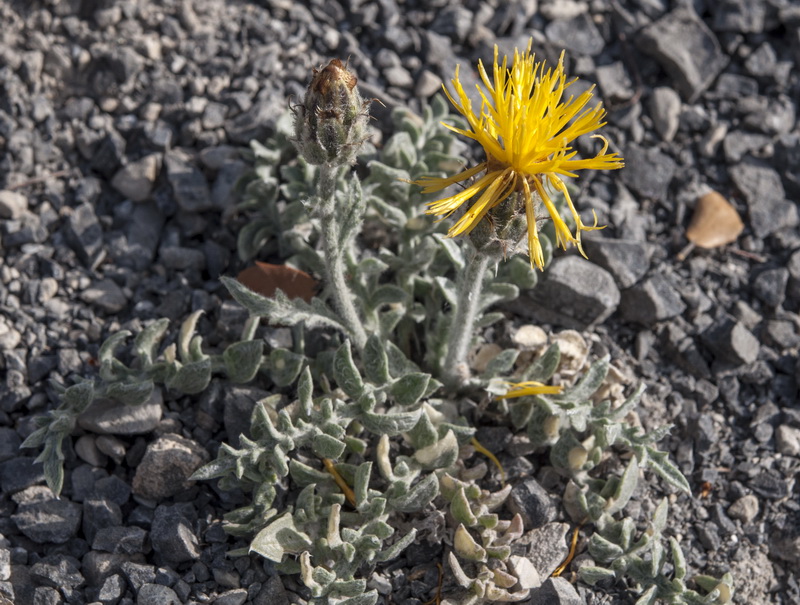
x=526, y=129
x=531, y=387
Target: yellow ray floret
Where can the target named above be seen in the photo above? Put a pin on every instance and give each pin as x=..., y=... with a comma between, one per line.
x=525, y=126
x=531, y=387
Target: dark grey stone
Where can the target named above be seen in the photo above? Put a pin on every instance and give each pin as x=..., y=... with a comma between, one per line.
x=574, y=293
x=741, y=16
x=272, y=593
x=778, y=117
x=109, y=417
x=627, y=261
x=58, y=571
x=255, y=123
x=9, y=448
x=121, y=540
x=114, y=489
x=112, y=590
x=5, y=564
x=138, y=574
x=769, y=210
x=532, y=502
x=189, y=185
x=84, y=233
x=651, y=301
x=739, y=143
x=731, y=342
x=682, y=349
x=237, y=596
x=44, y=595
x=172, y=535
x=108, y=155
x=648, y=171
x=239, y=403
x=615, y=84
x=579, y=34
x=98, y=514
x=20, y=473
x=156, y=594
x=50, y=520
x=769, y=484
x=665, y=110
x=555, y=591
x=770, y=286
x=687, y=50
x=454, y=22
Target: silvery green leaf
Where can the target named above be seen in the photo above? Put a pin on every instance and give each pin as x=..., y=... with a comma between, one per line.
x=242, y=360
x=372, y=266
x=304, y=475
x=279, y=310
x=368, y=598
x=407, y=390
x=305, y=390
x=649, y=596
x=466, y=546
x=130, y=393
x=390, y=213
x=418, y=497
x=284, y=366
x=37, y=438
x=361, y=483
x=379, y=529
x=376, y=362
x=52, y=459
x=521, y=273
x=391, y=423
x=251, y=238
x=214, y=469
x=389, y=319
x=625, y=487
x=387, y=294
x=592, y=575
x=575, y=502
x=399, y=151
x=185, y=336
x=543, y=368
x=502, y=363
x=603, y=550
x=395, y=549
x=659, y=463
x=106, y=352
x=629, y=404
x=520, y=412
x=657, y=557
x=326, y=446
x=496, y=293
x=678, y=559
x=660, y=517
x=489, y=319
x=345, y=372
x=191, y=378
x=448, y=289
x=442, y=454
x=279, y=538
x=452, y=250
x=393, y=182
x=461, y=510
x=347, y=588
x=145, y=343
x=606, y=433
x=424, y=433
x=399, y=364
x=587, y=386
x=79, y=396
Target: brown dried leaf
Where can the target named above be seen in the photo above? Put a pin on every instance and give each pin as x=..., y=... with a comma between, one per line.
x=265, y=278
x=714, y=223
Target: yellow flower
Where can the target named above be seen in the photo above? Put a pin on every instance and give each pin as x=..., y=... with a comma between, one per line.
x=525, y=129
x=523, y=389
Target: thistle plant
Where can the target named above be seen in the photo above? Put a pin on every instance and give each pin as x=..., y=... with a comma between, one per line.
x=361, y=442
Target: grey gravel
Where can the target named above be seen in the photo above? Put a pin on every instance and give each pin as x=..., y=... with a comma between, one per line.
x=653, y=300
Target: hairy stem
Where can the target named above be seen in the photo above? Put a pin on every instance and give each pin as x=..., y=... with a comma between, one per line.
x=468, y=292
x=334, y=255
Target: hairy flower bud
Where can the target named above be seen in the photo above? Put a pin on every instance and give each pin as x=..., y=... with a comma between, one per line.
x=502, y=229
x=331, y=123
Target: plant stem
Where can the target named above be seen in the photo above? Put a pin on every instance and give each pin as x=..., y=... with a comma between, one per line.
x=334, y=255
x=468, y=292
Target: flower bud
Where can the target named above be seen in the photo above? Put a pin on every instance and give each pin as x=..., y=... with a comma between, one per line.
x=331, y=123
x=502, y=228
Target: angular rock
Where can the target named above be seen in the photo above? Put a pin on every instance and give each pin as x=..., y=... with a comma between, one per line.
x=651, y=301
x=172, y=535
x=769, y=210
x=166, y=467
x=547, y=547
x=770, y=286
x=135, y=180
x=120, y=540
x=189, y=185
x=156, y=594
x=109, y=417
x=58, y=571
x=44, y=518
x=12, y=204
x=687, y=50
x=627, y=261
x=648, y=171
x=106, y=295
x=574, y=293
x=579, y=34
x=98, y=514
x=731, y=342
x=665, y=109
x=532, y=502
x=556, y=591
x=109, y=154
x=741, y=16
x=84, y=233
x=20, y=473
x=143, y=234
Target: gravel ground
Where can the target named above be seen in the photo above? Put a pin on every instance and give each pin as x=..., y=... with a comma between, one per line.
x=119, y=127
